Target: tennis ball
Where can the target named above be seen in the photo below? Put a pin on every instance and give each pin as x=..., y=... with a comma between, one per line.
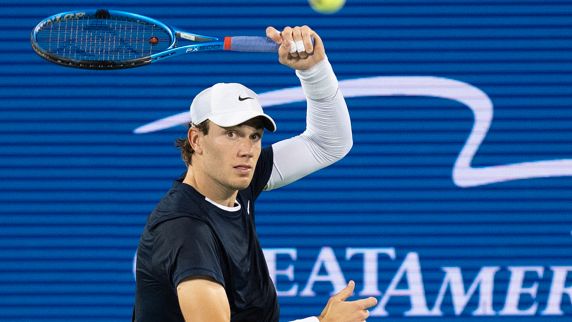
x=327, y=6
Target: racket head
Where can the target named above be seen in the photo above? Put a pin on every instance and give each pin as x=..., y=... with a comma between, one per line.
x=101, y=39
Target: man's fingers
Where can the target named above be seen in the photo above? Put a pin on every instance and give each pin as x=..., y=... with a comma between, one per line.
x=317, y=42
x=284, y=52
x=307, y=34
x=297, y=35
x=365, y=304
x=346, y=292
x=287, y=39
x=294, y=34
x=273, y=34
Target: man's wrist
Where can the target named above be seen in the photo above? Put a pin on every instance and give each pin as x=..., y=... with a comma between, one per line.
x=319, y=82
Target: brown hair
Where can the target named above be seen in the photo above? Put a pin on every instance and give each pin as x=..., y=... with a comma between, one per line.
x=185, y=146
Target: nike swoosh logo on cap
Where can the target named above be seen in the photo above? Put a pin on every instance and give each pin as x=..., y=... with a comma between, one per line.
x=244, y=98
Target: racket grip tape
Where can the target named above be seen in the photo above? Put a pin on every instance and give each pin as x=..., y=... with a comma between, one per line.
x=250, y=44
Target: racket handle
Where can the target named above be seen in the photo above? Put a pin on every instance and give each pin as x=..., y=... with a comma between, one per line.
x=250, y=44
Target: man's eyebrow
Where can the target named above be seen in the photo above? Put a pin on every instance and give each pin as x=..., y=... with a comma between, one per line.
x=237, y=127
x=230, y=128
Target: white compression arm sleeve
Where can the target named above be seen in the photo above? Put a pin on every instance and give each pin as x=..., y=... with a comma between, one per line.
x=310, y=319
x=328, y=134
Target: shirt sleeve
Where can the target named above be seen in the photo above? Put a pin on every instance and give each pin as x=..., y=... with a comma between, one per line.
x=187, y=247
x=328, y=134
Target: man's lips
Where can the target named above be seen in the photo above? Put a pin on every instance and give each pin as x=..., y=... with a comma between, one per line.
x=243, y=168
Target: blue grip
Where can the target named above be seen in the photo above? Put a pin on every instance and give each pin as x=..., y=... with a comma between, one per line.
x=253, y=44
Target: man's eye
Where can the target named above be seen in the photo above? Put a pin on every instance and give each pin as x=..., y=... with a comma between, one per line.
x=255, y=136
x=231, y=134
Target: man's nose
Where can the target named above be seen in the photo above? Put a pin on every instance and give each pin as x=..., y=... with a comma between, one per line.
x=246, y=148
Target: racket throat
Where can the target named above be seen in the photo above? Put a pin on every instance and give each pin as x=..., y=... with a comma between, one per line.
x=194, y=37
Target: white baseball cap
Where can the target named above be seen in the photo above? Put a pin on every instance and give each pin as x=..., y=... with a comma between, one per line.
x=228, y=104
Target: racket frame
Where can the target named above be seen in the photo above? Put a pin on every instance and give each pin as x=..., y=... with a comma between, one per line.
x=202, y=43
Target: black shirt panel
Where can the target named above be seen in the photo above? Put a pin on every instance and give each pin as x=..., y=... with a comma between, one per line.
x=186, y=247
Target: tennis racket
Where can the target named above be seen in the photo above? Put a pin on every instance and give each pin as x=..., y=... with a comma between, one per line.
x=110, y=39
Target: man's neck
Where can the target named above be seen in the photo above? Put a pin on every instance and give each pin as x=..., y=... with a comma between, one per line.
x=210, y=188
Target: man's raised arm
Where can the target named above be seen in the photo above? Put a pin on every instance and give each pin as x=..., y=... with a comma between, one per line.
x=328, y=134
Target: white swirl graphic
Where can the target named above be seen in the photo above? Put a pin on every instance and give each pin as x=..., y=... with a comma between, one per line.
x=463, y=174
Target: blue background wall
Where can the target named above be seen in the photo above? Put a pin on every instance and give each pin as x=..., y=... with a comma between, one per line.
x=77, y=183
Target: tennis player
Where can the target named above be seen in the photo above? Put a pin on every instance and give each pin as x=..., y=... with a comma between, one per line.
x=199, y=258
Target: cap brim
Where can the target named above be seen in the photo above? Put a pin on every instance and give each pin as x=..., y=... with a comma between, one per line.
x=269, y=123
x=228, y=120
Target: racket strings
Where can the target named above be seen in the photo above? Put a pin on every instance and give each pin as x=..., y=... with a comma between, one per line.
x=95, y=39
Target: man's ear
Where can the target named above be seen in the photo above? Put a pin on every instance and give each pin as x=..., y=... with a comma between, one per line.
x=194, y=136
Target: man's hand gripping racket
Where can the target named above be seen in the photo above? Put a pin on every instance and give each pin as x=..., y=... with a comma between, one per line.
x=300, y=47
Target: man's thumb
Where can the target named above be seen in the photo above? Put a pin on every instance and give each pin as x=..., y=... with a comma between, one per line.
x=273, y=34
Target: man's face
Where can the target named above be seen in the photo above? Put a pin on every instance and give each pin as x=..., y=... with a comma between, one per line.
x=230, y=154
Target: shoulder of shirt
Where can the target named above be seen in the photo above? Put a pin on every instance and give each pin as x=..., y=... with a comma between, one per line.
x=175, y=204
x=183, y=223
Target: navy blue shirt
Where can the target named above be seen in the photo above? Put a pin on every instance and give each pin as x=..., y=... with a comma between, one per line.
x=187, y=236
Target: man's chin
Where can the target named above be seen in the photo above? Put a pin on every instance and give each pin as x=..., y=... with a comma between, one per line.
x=242, y=184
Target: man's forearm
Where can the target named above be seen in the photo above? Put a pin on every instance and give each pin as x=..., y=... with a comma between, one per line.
x=327, y=120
